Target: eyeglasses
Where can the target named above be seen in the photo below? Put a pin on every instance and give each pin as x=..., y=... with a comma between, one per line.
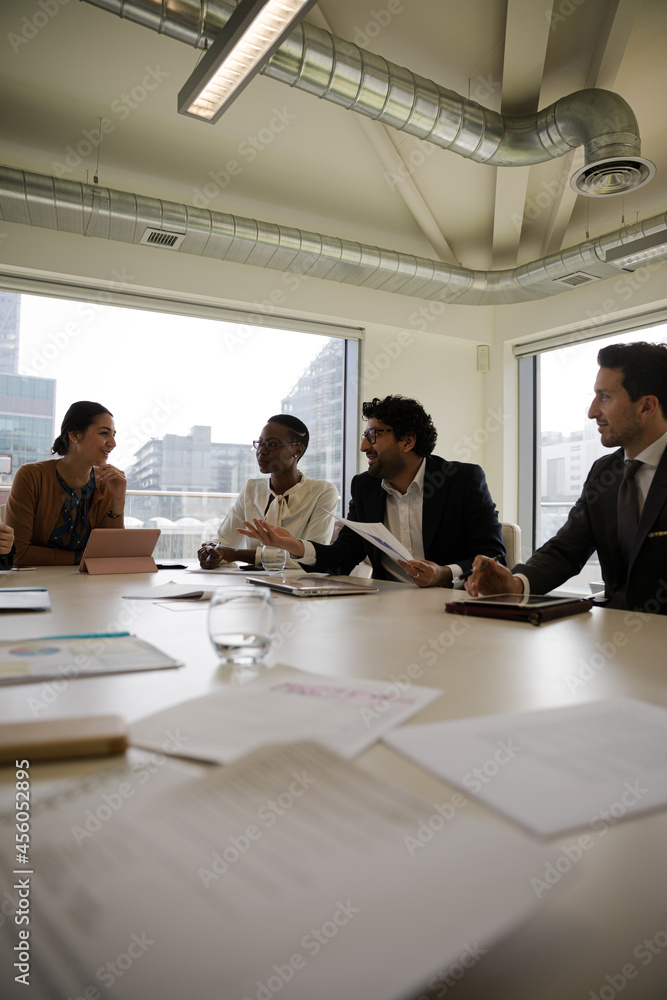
x=271, y=444
x=372, y=432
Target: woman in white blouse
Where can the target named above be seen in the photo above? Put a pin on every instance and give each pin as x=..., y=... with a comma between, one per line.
x=285, y=497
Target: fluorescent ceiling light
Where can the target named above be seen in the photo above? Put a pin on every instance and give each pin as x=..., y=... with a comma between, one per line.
x=636, y=252
x=249, y=38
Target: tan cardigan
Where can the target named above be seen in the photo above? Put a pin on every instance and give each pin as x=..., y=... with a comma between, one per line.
x=32, y=510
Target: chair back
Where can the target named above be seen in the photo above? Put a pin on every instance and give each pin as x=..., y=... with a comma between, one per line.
x=512, y=542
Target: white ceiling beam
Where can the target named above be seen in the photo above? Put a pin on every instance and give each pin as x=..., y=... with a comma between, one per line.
x=380, y=138
x=526, y=40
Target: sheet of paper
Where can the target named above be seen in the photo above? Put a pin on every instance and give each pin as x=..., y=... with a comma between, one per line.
x=552, y=770
x=172, y=592
x=286, y=874
x=24, y=599
x=379, y=535
x=83, y=656
x=345, y=715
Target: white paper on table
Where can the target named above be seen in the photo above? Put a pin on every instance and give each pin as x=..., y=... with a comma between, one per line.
x=289, y=868
x=345, y=715
x=78, y=656
x=379, y=535
x=172, y=592
x=552, y=770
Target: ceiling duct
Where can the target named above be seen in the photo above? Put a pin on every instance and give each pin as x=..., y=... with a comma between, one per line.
x=90, y=210
x=315, y=61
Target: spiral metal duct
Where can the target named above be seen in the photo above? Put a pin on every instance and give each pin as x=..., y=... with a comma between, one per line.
x=315, y=61
x=90, y=210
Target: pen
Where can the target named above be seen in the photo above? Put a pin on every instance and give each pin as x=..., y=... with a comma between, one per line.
x=464, y=576
x=87, y=635
x=657, y=534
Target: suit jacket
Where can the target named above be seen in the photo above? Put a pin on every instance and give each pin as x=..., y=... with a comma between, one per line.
x=459, y=520
x=592, y=525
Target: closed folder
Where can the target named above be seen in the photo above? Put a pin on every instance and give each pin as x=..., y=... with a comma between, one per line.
x=535, y=612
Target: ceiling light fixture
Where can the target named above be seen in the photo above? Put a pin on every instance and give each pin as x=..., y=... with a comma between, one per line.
x=249, y=38
x=637, y=252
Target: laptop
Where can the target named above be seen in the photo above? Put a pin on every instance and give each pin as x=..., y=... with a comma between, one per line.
x=120, y=550
x=309, y=586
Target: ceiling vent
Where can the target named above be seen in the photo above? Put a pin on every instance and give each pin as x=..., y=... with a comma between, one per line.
x=577, y=278
x=162, y=238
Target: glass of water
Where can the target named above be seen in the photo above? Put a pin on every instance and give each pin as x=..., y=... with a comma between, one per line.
x=273, y=559
x=241, y=624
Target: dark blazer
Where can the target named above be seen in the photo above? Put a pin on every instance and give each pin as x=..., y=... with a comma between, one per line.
x=459, y=520
x=592, y=525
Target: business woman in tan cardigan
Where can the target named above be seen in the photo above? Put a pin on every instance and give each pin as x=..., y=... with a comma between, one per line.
x=54, y=505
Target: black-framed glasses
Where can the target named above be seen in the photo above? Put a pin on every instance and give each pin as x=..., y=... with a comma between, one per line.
x=271, y=444
x=372, y=432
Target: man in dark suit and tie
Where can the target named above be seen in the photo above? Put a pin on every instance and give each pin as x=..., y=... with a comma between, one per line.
x=441, y=511
x=622, y=511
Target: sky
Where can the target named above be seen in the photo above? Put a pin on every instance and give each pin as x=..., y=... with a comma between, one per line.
x=161, y=374
x=568, y=376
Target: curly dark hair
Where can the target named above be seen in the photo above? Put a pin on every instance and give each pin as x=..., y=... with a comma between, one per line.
x=404, y=416
x=644, y=368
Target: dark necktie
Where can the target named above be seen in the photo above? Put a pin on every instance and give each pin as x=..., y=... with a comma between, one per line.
x=628, y=508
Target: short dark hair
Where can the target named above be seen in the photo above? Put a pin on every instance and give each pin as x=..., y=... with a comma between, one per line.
x=79, y=416
x=644, y=368
x=404, y=416
x=296, y=427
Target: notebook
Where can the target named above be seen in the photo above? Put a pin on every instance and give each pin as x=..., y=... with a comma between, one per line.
x=120, y=550
x=308, y=586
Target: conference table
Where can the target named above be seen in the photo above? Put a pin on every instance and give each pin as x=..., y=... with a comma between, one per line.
x=581, y=939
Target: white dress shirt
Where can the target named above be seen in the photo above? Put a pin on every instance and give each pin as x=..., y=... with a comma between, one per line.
x=303, y=509
x=403, y=517
x=644, y=477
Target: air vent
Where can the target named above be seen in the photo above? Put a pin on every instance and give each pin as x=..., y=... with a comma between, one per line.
x=576, y=278
x=162, y=238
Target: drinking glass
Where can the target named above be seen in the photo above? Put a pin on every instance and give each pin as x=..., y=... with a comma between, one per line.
x=273, y=559
x=241, y=624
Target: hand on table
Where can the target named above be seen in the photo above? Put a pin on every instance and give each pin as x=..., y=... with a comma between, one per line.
x=211, y=554
x=426, y=573
x=489, y=577
x=272, y=534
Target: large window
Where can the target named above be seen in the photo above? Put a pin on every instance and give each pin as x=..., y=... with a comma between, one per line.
x=188, y=395
x=557, y=388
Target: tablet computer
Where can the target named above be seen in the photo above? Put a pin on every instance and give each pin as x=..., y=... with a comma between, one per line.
x=309, y=586
x=120, y=550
